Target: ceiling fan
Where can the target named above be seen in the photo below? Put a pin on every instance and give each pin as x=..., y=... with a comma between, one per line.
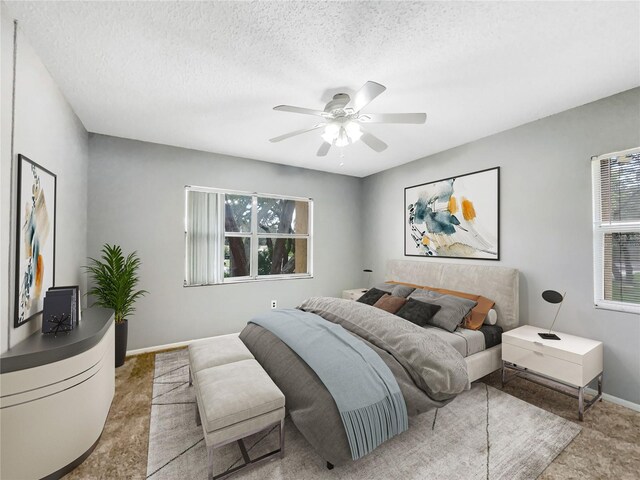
x=343, y=119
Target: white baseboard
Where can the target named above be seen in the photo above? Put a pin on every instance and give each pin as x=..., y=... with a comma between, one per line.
x=618, y=401
x=169, y=346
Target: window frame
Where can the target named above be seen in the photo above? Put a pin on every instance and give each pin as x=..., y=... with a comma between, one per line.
x=600, y=229
x=254, y=236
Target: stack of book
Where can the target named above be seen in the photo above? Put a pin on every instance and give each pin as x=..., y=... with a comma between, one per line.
x=61, y=311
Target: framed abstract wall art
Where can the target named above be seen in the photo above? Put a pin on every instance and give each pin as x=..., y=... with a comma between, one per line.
x=35, y=245
x=456, y=217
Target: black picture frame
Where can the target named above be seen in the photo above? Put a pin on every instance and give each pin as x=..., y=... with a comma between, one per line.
x=24, y=310
x=497, y=232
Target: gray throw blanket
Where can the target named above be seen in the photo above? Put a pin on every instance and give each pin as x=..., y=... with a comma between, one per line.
x=365, y=391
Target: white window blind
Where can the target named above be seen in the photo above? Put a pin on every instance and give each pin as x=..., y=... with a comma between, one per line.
x=616, y=230
x=233, y=236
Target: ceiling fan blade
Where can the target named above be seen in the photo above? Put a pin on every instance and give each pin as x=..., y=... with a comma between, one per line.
x=365, y=95
x=293, y=134
x=393, y=118
x=373, y=142
x=324, y=149
x=304, y=111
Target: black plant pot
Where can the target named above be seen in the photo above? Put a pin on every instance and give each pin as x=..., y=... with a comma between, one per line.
x=121, y=343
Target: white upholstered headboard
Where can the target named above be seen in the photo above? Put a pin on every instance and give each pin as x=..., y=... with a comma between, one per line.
x=500, y=284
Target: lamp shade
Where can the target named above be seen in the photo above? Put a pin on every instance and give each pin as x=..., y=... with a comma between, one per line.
x=552, y=296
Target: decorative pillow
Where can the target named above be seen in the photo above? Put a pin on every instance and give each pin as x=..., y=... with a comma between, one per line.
x=417, y=312
x=402, y=291
x=492, y=317
x=390, y=303
x=393, y=288
x=385, y=287
x=371, y=296
x=453, y=312
x=478, y=313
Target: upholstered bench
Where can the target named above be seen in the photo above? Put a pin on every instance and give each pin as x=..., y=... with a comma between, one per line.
x=216, y=351
x=235, y=398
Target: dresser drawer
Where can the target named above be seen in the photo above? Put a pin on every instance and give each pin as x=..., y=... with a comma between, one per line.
x=540, y=362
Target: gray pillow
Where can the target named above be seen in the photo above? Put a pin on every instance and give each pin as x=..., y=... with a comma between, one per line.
x=453, y=311
x=395, y=290
x=402, y=291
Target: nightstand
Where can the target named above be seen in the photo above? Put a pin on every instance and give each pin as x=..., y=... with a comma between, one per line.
x=567, y=365
x=354, y=294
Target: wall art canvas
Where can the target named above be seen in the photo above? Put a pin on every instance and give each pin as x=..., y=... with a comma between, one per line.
x=35, y=245
x=456, y=217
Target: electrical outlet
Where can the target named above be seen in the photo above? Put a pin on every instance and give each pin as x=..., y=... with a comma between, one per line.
x=274, y=304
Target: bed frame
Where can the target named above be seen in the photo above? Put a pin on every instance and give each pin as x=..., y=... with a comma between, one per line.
x=500, y=284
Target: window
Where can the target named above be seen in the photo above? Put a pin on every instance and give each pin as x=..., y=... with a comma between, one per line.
x=242, y=236
x=616, y=230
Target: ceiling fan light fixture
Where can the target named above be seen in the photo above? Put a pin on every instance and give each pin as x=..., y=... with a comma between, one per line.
x=353, y=131
x=343, y=118
x=343, y=134
x=342, y=140
x=331, y=132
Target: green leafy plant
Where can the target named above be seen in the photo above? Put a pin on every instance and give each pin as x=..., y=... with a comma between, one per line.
x=115, y=277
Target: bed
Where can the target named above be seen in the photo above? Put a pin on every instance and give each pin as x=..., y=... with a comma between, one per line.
x=500, y=284
x=429, y=371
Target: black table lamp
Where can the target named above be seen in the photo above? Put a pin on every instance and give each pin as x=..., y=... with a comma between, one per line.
x=552, y=296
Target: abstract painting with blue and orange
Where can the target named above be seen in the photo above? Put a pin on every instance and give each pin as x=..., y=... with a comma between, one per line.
x=456, y=217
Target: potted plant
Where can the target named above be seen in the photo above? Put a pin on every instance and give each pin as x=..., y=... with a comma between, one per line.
x=115, y=278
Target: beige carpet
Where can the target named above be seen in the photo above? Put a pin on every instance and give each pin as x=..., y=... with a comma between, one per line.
x=607, y=447
x=482, y=434
x=121, y=452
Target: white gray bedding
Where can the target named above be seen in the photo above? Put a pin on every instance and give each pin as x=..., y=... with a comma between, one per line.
x=465, y=341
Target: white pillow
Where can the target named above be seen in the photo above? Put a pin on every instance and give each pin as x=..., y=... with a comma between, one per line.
x=491, y=318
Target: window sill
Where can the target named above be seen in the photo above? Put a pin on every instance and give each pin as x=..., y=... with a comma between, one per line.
x=618, y=307
x=232, y=281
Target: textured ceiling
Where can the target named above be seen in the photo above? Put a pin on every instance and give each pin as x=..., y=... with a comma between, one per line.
x=206, y=75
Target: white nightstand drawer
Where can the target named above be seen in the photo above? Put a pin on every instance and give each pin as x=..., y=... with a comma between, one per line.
x=538, y=361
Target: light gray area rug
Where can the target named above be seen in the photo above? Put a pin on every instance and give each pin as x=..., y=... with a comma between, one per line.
x=483, y=434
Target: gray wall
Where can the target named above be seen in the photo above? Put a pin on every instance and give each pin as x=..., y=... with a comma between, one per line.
x=48, y=132
x=137, y=201
x=545, y=219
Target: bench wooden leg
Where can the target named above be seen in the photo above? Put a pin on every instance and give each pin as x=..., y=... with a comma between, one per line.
x=190, y=377
x=198, y=420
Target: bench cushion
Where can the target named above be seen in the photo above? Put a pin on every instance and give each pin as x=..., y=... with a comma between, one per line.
x=235, y=392
x=217, y=351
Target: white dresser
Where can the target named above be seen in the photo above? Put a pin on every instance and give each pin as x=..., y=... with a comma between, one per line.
x=569, y=364
x=56, y=394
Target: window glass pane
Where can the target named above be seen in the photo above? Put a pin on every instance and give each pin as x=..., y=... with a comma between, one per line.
x=278, y=256
x=237, y=256
x=277, y=215
x=620, y=189
x=237, y=213
x=622, y=267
